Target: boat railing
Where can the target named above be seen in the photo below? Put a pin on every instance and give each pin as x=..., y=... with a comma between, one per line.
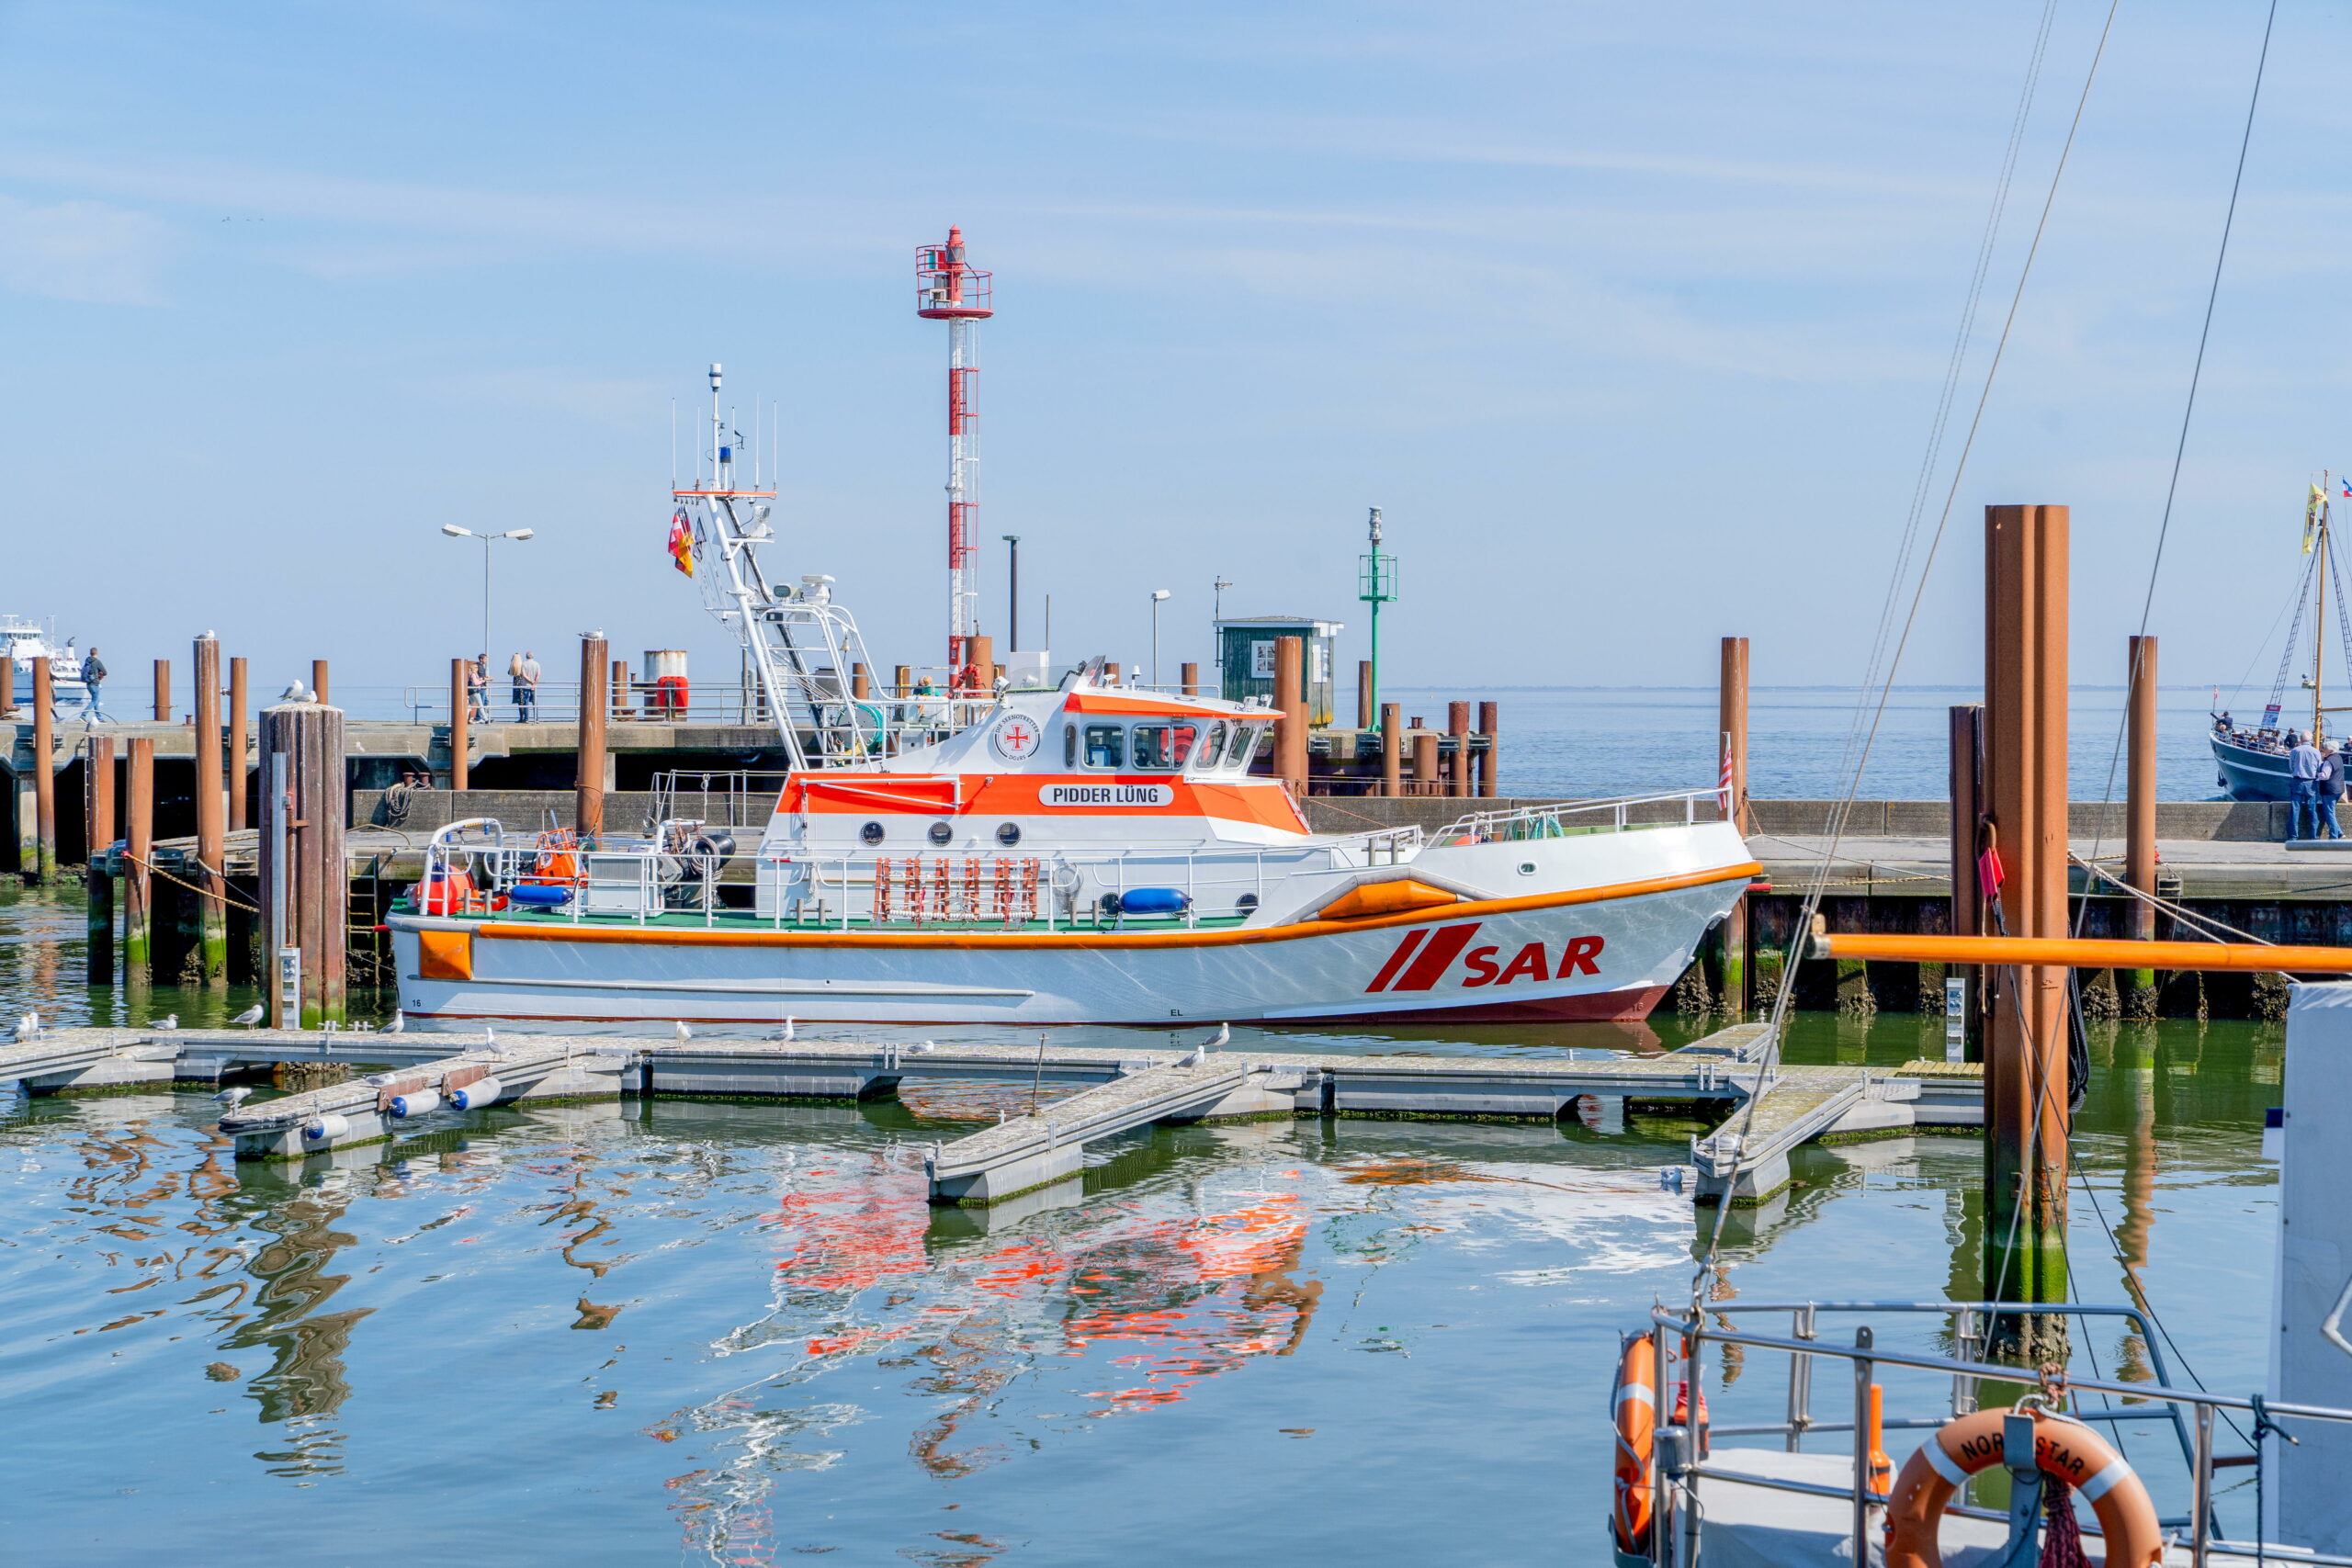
x=902, y=723
x=667, y=874
x=1683, y=1465
x=1677, y=808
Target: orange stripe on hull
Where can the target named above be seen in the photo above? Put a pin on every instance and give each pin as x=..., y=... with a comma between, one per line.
x=1469, y=909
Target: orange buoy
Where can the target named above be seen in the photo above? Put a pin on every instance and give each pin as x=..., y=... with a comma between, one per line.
x=1636, y=1407
x=2066, y=1449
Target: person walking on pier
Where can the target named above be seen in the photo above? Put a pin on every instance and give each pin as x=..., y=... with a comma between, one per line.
x=2302, y=787
x=477, y=690
x=94, y=674
x=2331, y=783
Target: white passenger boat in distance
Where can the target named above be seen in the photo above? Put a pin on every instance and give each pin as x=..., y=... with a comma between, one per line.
x=1088, y=853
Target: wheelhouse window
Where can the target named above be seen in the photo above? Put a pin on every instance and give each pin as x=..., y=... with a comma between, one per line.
x=1244, y=747
x=1211, y=755
x=1163, y=748
x=1106, y=746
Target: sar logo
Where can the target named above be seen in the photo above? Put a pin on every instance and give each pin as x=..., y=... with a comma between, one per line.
x=1016, y=738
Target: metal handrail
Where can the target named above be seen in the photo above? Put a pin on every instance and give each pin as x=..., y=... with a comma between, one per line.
x=1694, y=1332
x=1484, y=825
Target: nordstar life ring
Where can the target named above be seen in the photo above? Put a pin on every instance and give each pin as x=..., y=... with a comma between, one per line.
x=2066, y=1450
x=1634, y=1403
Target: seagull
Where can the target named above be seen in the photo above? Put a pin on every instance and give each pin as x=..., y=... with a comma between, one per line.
x=298, y=693
x=490, y=1039
x=1193, y=1057
x=925, y=1048
x=789, y=1032
x=29, y=1026
x=398, y=1024
x=678, y=1027
x=170, y=1021
x=250, y=1018
x=232, y=1098
x=1224, y=1037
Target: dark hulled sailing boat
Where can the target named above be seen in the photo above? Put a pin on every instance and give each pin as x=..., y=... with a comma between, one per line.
x=2252, y=761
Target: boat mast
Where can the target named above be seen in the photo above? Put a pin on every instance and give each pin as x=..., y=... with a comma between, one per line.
x=2319, y=621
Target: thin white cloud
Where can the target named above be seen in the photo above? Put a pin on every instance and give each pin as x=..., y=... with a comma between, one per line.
x=84, y=250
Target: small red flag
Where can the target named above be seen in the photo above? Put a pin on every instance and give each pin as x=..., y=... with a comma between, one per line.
x=682, y=542
x=1990, y=873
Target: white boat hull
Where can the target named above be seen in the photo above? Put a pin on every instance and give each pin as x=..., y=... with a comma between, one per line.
x=1605, y=953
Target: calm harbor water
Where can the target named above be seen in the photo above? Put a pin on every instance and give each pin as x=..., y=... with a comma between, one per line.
x=732, y=1335
x=1592, y=741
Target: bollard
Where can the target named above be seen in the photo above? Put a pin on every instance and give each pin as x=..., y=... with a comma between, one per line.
x=44, y=774
x=1425, y=764
x=460, y=723
x=237, y=746
x=138, y=847
x=1457, y=725
x=305, y=882
x=97, y=816
x=1392, y=750
x=589, y=780
x=1290, y=702
x=163, y=691
x=212, y=907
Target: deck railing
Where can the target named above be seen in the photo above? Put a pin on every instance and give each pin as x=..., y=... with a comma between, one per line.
x=1678, y=808
x=2190, y=1411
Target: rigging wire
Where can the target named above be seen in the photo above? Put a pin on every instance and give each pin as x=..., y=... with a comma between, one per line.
x=1839, y=812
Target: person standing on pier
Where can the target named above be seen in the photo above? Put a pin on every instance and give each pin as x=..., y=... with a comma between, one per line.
x=2331, y=783
x=2302, y=787
x=94, y=674
x=525, y=669
x=477, y=690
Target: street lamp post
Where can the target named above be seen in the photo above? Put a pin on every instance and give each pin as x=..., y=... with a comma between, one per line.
x=1012, y=595
x=517, y=534
x=1157, y=595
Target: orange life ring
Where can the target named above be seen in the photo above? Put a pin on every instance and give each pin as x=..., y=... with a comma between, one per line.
x=2067, y=1450
x=1635, y=1405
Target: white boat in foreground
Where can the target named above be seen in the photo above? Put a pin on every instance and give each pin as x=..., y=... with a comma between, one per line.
x=1091, y=853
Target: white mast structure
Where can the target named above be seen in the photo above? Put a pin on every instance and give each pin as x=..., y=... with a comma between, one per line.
x=947, y=289
x=802, y=645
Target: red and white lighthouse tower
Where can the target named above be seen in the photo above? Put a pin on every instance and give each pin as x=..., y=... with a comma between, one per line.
x=948, y=289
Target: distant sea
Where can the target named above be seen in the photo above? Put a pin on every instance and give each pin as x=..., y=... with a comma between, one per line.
x=1592, y=740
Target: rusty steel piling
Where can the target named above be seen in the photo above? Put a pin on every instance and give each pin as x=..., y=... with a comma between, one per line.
x=97, y=817
x=239, y=741
x=44, y=867
x=1490, y=725
x=590, y=780
x=212, y=820
x=1392, y=749
x=2140, y=816
x=305, y=906
x=139, y=849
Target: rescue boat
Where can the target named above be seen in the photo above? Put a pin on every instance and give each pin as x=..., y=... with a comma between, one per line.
x=1087, y=853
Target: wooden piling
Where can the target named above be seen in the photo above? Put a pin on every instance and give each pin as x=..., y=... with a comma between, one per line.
x=1365, y=717
x=305, y=890
x=1490, y=725
x=211, y=821
x=1965, y=739
x=1426, y=777
x=2025, y=777
x=97, y=816
x=1290, y=699
x=1392, y=750
x=861, y=684
x=1731, y=724
x=1191, y=678
x=163, y=691
x=588, y=811
x=238, y=819
x=460, y=720
x=44, y=774
x=1457, y=725
x=2140, y=817
x=319, y=681
x=139, y=850
x=621, y=707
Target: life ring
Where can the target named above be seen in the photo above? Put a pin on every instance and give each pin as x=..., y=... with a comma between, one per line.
x=1635, y=1408
x=2066, y=1449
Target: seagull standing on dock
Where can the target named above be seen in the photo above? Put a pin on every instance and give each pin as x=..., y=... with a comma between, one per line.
x=398, y=1024
x=490, y=1039
x=230, y=1099
x=1224, y=1037
x=250, y=1018
x=1193, y=1057
x=924, y=1049
x=789, y=1032
x=28, y=1026
x=171, y=1020
x=678, y=1027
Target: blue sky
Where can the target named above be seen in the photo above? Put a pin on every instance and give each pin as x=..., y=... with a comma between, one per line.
x=1633, y=319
